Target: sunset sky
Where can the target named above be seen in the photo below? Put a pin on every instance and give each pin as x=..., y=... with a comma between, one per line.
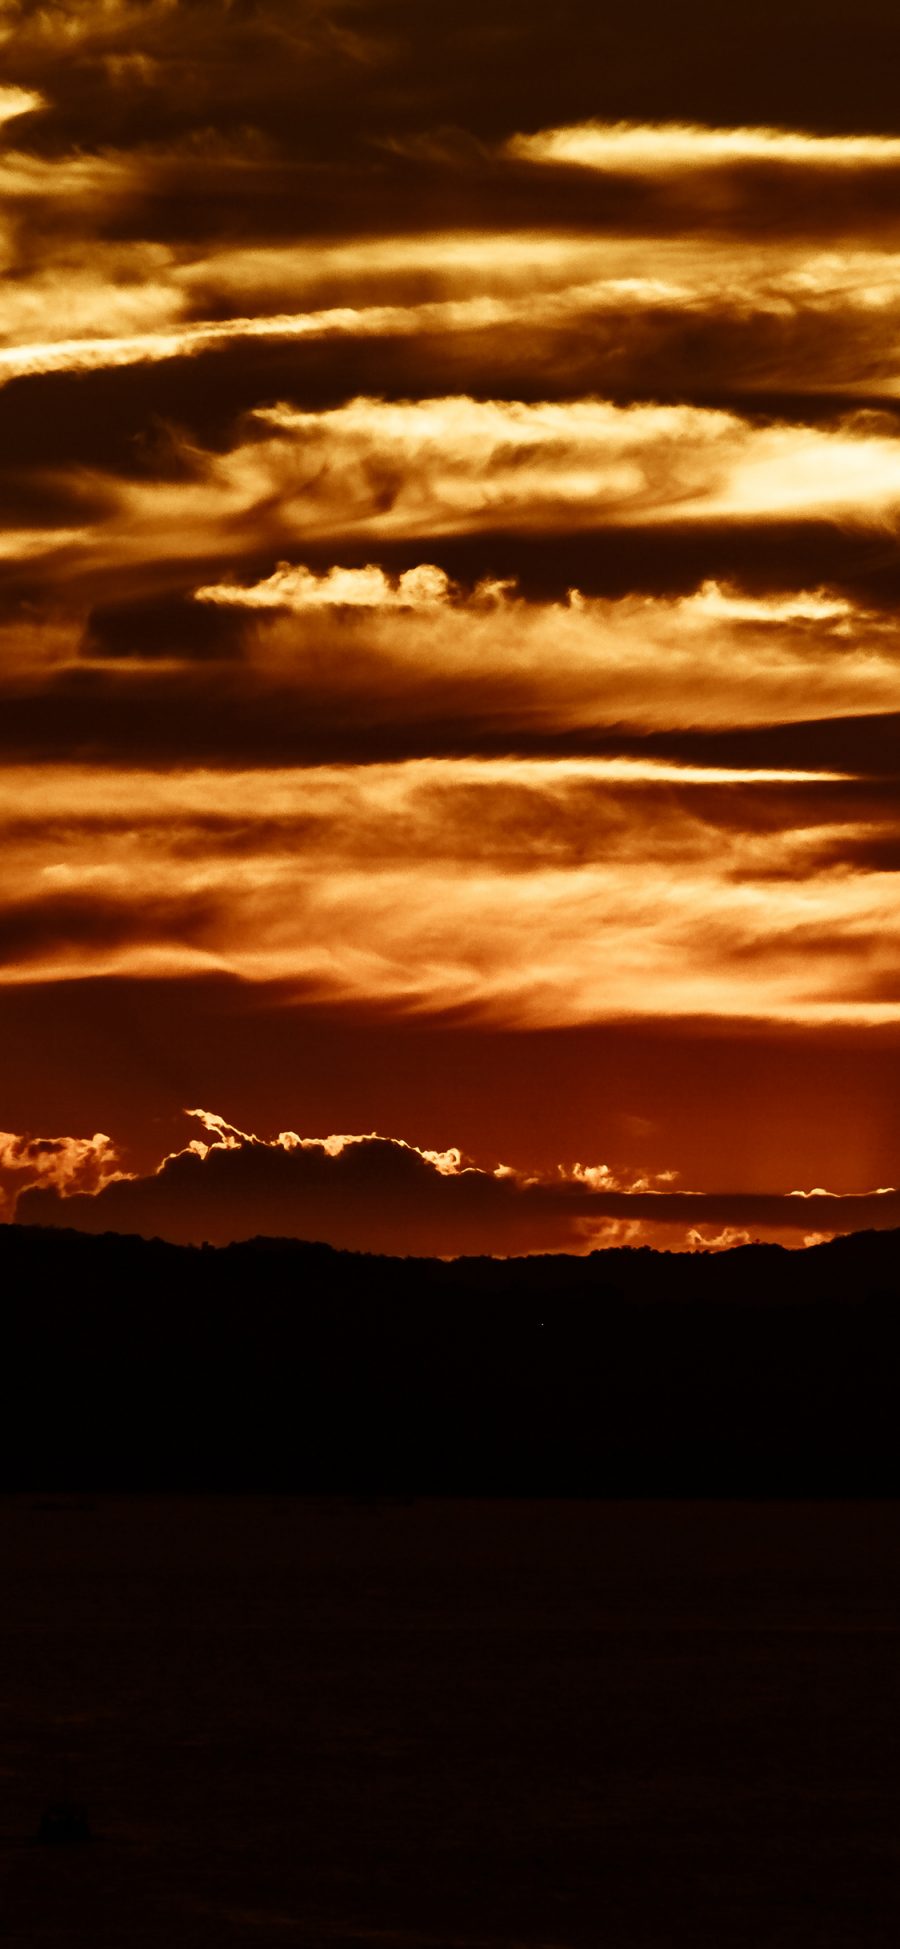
x=449, y=674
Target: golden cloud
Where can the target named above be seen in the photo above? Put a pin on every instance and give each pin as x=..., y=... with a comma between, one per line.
x=18, y=101
x=719, y=656
x=298, y=588
x=380, y=471
x=456, y=464
x=96, y=305
x=662, y=147
x=525, y=892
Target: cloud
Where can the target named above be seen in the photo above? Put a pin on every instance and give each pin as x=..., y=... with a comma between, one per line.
x=426, y=587
x=366, y=467
x=453, y=464
x=310, y=664
x=662, y=147
x=72, y=1165
x=527, y=892
x=54, y=26
x=584, y=313
x=826, y=320
x=374, y=1193
x=367, y=665
x=87, y=916
x=18, y=101
x=108, y=290
x=722, y=1241
x=63, y=197
x=383, y=469
x=375, y=473
x=86, y=354
x=729, y=605
x=412, y=642
x=742, y=179
x=354, y=117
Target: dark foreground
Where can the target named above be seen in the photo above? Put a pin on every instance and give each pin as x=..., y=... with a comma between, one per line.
x=275, y=1365
x=471, y=1724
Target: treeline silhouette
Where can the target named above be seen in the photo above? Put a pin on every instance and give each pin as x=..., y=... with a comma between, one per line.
x=136, y=1365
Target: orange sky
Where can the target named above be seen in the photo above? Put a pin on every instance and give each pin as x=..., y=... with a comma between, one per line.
x=450, y=477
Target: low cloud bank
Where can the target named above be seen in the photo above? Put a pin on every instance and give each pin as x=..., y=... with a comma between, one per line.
x=374, y=1193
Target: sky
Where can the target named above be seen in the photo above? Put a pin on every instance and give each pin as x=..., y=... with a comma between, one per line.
x=449, y=707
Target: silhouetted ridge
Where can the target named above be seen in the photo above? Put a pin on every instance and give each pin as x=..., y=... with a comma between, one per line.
x=276, y=1364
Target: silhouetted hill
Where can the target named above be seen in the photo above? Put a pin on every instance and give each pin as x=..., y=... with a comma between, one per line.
x=135, y=1364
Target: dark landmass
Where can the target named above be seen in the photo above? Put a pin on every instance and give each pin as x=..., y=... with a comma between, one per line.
x=134, y=1364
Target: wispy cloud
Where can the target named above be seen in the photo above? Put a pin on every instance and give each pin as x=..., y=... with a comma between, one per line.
x=718, y=656
x=377, y=472
x=522, y=892
x=678, y=145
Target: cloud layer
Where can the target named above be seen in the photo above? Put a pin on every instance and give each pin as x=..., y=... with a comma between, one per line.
x=532, y=891
x=449, y=492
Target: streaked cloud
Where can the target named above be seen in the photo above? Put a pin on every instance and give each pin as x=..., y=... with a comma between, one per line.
x=522, y=892
x=378, y=471
x=674, y=146
x=718, y=656
x=814, y=606
x=813, y=317
x=445, y=465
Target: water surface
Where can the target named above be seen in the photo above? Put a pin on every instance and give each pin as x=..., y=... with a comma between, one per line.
x=473, y=1724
